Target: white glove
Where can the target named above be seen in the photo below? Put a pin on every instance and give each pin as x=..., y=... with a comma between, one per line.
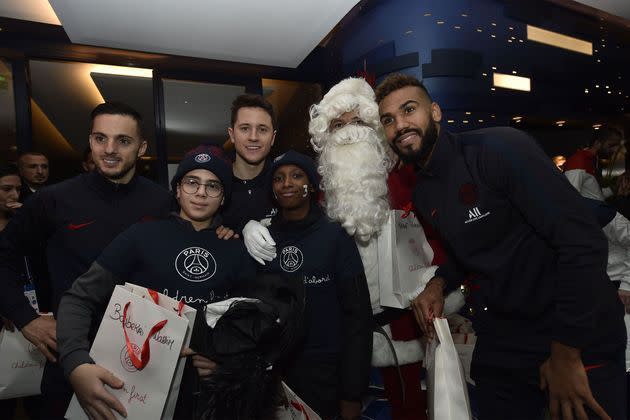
x=259, y=242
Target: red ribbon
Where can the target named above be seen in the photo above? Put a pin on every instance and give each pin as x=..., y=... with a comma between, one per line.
x=145, y=354
x=154, y=295
x=408, y=208
x=299, y=407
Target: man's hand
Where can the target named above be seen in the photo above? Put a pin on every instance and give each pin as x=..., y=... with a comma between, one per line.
x=259, y=242
x=42, y=332
x=350, y=410
x=624, y=295
x=13, y=205
x=429, y=304
x=224, y=232
x=87, y=381
x=204, y=366
x=564, y=377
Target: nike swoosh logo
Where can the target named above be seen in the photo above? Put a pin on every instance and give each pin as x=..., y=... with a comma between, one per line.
x=80, y=225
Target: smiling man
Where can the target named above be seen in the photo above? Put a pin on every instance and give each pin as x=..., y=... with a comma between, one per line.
x=252, y=131
x=547, y=315
x=75, y=220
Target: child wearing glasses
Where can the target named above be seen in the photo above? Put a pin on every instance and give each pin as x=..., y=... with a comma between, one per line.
x=181, y=256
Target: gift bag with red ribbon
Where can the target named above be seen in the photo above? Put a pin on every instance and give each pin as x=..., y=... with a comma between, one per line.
x=294, y=408
x=139, y=340
x=404, y=258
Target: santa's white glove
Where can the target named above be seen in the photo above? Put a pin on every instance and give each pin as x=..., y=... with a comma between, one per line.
x=259, y=242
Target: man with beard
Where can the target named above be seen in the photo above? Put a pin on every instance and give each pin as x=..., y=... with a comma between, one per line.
x=548, y=319
x=355, y=168
x=583, y=169
x=75, y=220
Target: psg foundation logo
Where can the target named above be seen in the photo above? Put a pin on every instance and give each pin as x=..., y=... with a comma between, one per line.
x=291, y=258
x=125, y=360
x=202, y=158
x=195, y=264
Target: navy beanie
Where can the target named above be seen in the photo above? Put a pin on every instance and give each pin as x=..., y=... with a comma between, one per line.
x=209, y=158
x=298, y=159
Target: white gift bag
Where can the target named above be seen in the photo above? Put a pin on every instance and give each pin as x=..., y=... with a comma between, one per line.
x=296, y=408
x=21, y=366
x=446, y=383
x=139, y=341
x=404, y=259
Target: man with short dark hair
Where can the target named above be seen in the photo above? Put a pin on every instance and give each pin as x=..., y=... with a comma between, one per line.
x=75, y=220
x=583, y=168
x=252, y=131
x=547, y=316
x=34, y=170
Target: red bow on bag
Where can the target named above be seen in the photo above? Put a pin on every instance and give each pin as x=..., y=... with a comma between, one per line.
x=145, y=354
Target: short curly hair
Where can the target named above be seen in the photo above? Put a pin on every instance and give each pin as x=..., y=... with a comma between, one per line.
x=397, y=81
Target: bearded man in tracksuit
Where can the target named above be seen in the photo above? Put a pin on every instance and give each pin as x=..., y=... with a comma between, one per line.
x=549, y=323
x=75, y=220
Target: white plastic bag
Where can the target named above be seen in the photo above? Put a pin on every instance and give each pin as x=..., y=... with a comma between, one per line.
x=446, y=382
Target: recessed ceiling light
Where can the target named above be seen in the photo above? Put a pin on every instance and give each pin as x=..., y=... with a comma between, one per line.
x=597, y=86
x=480, y=121
x=464, y=15
x=510, y=41
x=607, y=87
x=427, y=14
x=450, y=121
x=520, y=40
x=585, y=90
x=603, y=45
x=599, y=61
x=408, y=31
x=516, y=117
x=440, y=22
x=467, y=112
x=465, y=121
x=494, y=68
x=493, y=36
x=513, y=71
x=560, y=122
x=457, y=27
x=494, y=24
x=479, y=30
x=484, y=74
x=492, y=116
x=609, y=92
x=510, y=28
x=492, y=89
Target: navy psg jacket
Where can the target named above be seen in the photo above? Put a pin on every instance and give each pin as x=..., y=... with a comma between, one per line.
x=74, y=220
x=511, y=219
x=337, y=346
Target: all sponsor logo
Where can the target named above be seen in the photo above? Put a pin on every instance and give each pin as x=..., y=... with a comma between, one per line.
x=475, y=214
x=291, y=258
x=195, y=264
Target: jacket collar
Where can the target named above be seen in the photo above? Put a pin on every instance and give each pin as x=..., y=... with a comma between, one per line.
x=217, y=220
x=443, y=154
x=107, y=187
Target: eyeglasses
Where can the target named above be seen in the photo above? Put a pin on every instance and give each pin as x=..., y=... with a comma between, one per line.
x=191, y=186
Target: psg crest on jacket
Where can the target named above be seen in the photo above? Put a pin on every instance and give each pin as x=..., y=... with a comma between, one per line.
x=195, y=264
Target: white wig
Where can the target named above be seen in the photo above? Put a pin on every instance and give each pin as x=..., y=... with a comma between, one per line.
x=353, y=160
x=350, y=94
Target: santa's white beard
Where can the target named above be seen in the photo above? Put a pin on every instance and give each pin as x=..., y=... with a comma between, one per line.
x=354, y=164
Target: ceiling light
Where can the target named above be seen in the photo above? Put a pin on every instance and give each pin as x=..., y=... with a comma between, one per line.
x=493, y=89
x=440, y=22
x=509, y=81
x=560, y=122
x=465, y=121
x=510, y=41
x=599, y=61
x=480, y=121
x=560, y=125
x=597, y=86
x=0, y=29
x=492, y=116
x=409, y=31
x=494, y=68
x=607, y=87
x=484, y=74
x=479, y=30
x=457, y=27
x=516, y=118
x=513, y=71
x=609, y=92
x=493, y=36
x=603, y=45
x=121, y=70
x=427, y=14
x=520, y=40
x=585, y=90
x=494, y=24
x=450, y=121
x=467, y=112
x=510, y=28
x=559, y=40
x=596, y=125
x=464, y=15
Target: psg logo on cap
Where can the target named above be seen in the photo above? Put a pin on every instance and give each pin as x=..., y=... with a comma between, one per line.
x=279, y=157
x=202, y=158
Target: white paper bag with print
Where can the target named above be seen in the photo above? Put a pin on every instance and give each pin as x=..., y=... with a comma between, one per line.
x=404, y=258
x=296, y=408
x=21, y=366
x=446, y=383
x=139, y=341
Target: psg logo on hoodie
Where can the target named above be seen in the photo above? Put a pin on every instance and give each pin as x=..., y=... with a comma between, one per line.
x=291, y=258
x=195, y=264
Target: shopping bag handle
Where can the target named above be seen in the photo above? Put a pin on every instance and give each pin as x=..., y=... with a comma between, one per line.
x=300, y=408
x=145, y=353
x=407, y=209
x=156, y=298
